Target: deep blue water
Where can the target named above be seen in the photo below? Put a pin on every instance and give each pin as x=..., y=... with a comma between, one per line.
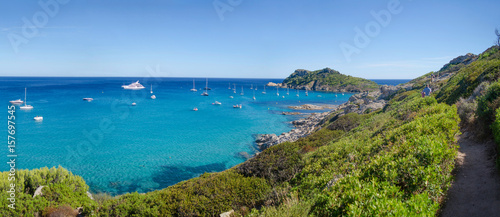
x=120, y=148
x=390, y=82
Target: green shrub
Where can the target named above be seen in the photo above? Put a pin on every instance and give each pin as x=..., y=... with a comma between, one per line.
x=278, y=163
x=62, y=189
x=487, y=105
x=208, y=195
x=467, y=112
x=394, y=167
x=496, y=127
x=346, y=122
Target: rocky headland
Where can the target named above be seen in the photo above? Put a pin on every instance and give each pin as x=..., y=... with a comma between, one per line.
x=327, y=80
x=360, y=103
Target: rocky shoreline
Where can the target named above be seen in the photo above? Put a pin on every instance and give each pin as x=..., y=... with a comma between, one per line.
x=360, y=103
x=312, y=107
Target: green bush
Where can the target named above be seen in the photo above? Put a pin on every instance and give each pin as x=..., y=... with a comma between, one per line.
x=62, y=188
x=404, y=174
x=487, y=105
x=207, y=195
x=278, y=163
x=496, y=127
x=346, y=122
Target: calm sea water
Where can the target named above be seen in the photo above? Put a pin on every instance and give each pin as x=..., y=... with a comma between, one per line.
x=120, y=148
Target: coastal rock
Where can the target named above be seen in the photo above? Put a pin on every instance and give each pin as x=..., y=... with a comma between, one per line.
x=351, y=108
x=90, y=195
x=291, y=113
x=227, y=214
x=387, y=90
x=303, y=128
x=465, y=59
x=312, y=107
x=332, y=182
x=271, y=84
x=38, y=191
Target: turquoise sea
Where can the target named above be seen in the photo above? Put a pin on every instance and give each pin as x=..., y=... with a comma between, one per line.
x=119, y=148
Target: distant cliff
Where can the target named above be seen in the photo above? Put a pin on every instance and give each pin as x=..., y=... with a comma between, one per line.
x=328, y=80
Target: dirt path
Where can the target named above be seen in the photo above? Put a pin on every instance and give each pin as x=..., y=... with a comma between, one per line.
x=476, y=189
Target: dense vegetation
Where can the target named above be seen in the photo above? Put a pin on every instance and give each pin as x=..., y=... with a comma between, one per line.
x=468, y=78
x=61, y=188
x=496, y=127
x=328, y=80
x=394, y=161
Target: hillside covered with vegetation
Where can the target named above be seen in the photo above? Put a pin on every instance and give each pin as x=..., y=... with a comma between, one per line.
x=328, y=80
x=395, y=161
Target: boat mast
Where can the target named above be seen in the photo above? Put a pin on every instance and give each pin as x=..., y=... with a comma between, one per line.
x=206, y=87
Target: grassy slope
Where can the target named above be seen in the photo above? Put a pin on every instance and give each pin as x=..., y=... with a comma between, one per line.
x=467, y=78
x=332, y=78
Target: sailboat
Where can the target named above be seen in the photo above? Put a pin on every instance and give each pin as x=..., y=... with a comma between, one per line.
x=194, y=89
x=251, y=86
x=152, y=96
x=205, y=93
x=306, y=92
x=241, y=90
x=264, y=92
x=25, y=106
x=287, y=91
x=277, y=92
x=297, y=93
x=234, y=90
x=229, y=88
x=253, y=94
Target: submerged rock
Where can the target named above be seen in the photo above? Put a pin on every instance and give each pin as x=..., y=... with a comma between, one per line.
x=244, y=155
x=291, y=113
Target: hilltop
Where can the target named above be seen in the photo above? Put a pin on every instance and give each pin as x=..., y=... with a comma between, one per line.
x=327, y=80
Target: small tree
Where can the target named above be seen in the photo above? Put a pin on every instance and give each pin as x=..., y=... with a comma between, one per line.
x=498, y=37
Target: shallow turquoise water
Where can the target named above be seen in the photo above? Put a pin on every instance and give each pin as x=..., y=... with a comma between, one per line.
x=120, y=148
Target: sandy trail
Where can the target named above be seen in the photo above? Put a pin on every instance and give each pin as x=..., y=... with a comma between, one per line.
x=476, y=189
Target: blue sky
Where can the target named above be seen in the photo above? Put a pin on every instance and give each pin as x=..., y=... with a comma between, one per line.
x=241, y=38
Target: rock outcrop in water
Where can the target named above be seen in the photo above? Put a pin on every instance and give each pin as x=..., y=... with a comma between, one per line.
x=327, y=80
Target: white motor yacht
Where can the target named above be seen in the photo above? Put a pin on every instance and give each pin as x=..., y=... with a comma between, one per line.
x=134, y=86
x=16, y=102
